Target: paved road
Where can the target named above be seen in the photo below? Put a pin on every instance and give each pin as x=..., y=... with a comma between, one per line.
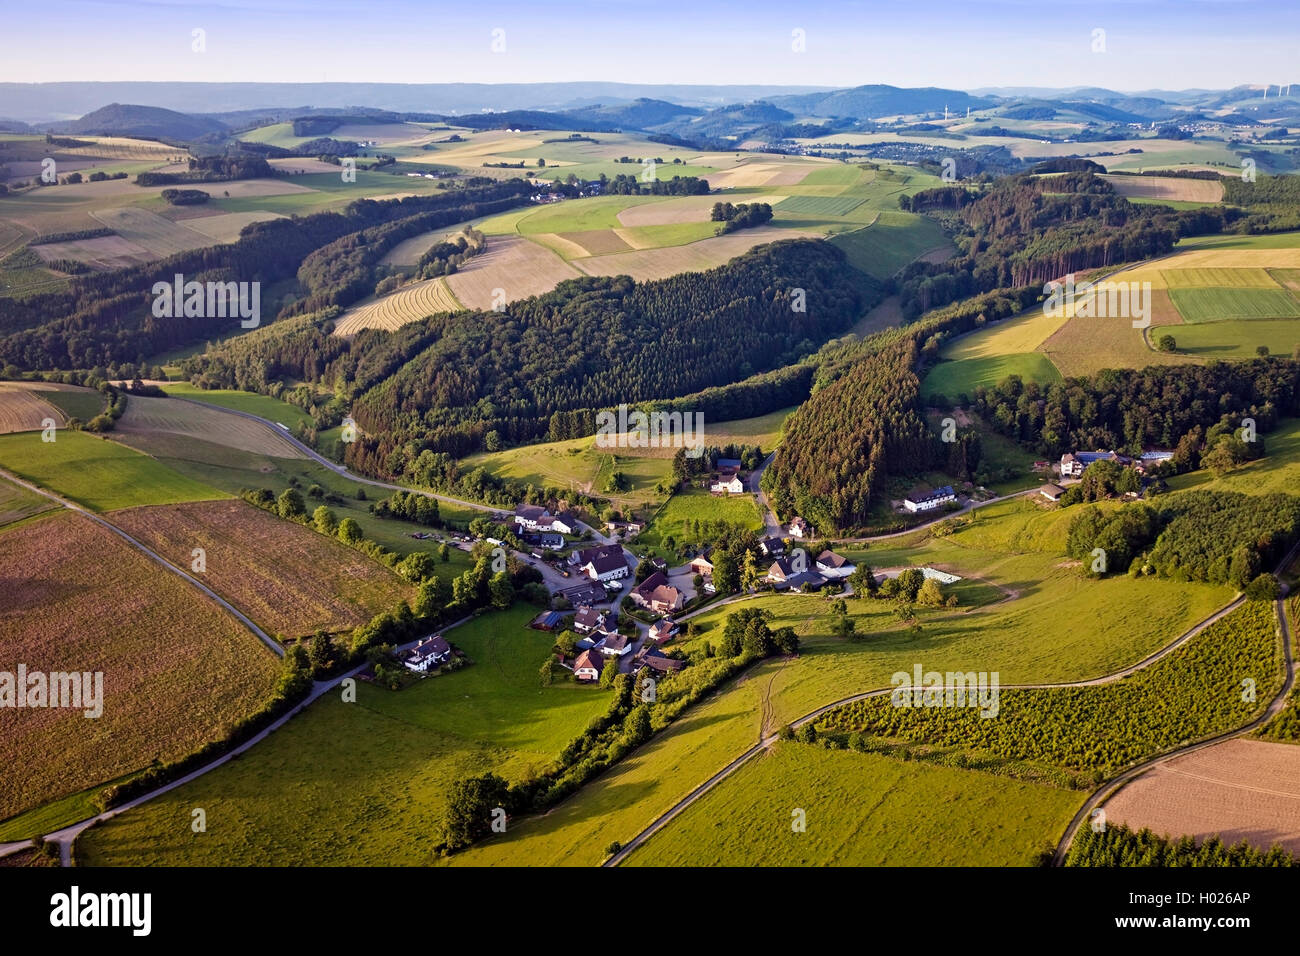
x=770, y=522
x=153, y=556
x=763, y=744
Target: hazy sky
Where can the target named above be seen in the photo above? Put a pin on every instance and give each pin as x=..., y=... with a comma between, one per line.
x=1148, y=44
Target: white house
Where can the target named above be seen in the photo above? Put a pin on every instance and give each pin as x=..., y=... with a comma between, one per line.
x=603, y=563
x=928, y=501
x=588, y=666
x=730, y=486
x=799, y=528
x=430, y=652
x=832, y=565
x=616, y=645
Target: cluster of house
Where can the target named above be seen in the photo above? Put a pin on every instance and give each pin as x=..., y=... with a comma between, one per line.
x=1074, y=463
x=430, y=652
x=602, y=646
x=657, y=595
x=920, y=499
x=727, y=479
x=791, y=573
x=536, y=519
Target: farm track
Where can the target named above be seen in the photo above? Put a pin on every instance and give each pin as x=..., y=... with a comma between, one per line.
x=1098, y=795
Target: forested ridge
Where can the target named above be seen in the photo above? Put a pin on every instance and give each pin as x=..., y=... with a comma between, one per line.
x=103, y=318
x=548, y=363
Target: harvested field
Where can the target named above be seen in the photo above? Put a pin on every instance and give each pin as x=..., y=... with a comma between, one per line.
x=1239, y=789
x=514, y=265
x=159, y=236
x=22, y=410
x=1289, y=278
x=300, y=165
x=566, y=247
x=1173, y=188
x=248, y=188
x=289, y=579
x=226, y=227
x=146, y=415
x=178, y=671
x=596, y=242
x=759, y=174
x=105, y=253
x=647, y=264
x=1256, y=278
x=820, y=205
x=409, y=304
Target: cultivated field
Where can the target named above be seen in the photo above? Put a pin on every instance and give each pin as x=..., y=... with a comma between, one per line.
x=104, y=253
x=263, y=406
x=1173, y=188
x=177, y=670
x=647, y=264
x=288, y=579
x=916, y=812
x=22, y=409
x=101, y=475
x=161, y=237
x=1239, y=789
x=408, y=304
x=17, y=503
x=1210, y=305
x=952, y=379
x=367, y=782
x=509, y=268
x=146, y=415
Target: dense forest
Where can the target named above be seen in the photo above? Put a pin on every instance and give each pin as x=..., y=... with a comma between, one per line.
x=1117, y=846
x=105, y=317
x=449, y=382
x=1132, y=409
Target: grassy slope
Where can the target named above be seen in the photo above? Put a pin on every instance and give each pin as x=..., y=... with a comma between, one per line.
x=365, y=782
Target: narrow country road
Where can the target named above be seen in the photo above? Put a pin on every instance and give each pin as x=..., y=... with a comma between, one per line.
x=153, y=556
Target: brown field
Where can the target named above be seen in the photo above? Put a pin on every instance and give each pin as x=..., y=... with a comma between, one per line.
x=596, y=242
x=295, y=164
x=759, y=174
x=408, y=304
x=22, y=411
x=516, y=266
x=288, y=579
x=226, y=227
x=178, y=671
x=644, y=264
x=151, y=416
x=1084, y=345
x=124, y=147
x=1240, y=789
x=1167, y=187
x=565, y=246
x=159, y=236
x=104, y=253
x=17, y=503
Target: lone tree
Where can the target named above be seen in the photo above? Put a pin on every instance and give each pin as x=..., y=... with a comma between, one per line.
x=1167, y=343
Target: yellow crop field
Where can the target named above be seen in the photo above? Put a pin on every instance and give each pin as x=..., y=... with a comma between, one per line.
x=409, y=304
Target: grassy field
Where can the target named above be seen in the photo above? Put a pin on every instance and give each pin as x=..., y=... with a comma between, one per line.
x=147, y=416
x=696, y=505
x=891, y=242
x=365, y=782
x=290, y=580
x=262, y=406
x=83, y=403
x=17, y=503
x=101, y=475
x=919, y=815
x=177, y=670
x=961, y=377
x=1235, y=339
x=1210, y=305
x=1278, y=471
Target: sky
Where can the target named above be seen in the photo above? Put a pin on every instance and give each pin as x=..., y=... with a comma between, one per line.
x=1145, y=44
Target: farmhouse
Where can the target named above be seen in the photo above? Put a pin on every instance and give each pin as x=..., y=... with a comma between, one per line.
x=537, y=518
x=727, y=486
x=1051, y=492
x=602, y=563
x=588, y=666
x=800, y=529
x=430, y=652
x=701, y=564
x=616, y=645
x=663, y=630
x=590, y=619
x=658, y=595
x=804, y=579
x=551, y=542
x=832, y=565
x=657, y=660
x=1074, y=463
x=919, y=500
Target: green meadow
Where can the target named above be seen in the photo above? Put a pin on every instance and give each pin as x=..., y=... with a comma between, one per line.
x=861, y=810
x=263, y=406
x=98, y=474
x=365, y=782
x=962, y=377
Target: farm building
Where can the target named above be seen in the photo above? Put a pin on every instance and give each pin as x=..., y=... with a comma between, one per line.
x=657, y=660
x=656, y=594
x=929, y=500
x=1051, y=492
x=701, y=564
x=588, y=666
x=430, y=652
x=546, y=621
x=616, y=645
x=727, y=486
x=584, y=594
x=602, y=563
x=832, y=565
x=1074, y=463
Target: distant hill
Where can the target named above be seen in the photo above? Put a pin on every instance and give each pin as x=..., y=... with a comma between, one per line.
x=152, y=122
x=641, y=113
x=872, y=102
